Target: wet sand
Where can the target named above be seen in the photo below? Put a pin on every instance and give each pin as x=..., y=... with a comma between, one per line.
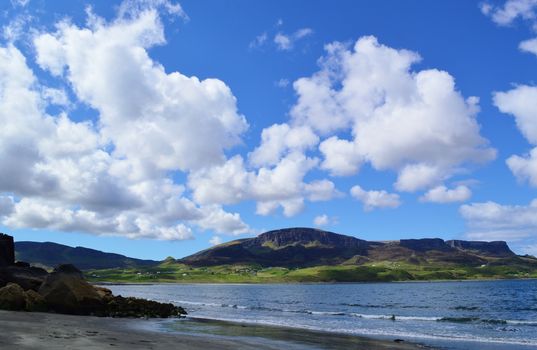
x=26, y=330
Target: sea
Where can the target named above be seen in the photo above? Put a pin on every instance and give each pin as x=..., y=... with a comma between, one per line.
x=449, y=315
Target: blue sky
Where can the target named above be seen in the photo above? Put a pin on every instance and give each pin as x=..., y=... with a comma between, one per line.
x=155, y=128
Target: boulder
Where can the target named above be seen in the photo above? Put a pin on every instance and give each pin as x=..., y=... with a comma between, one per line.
x=134, y=307
x=66, y=291
x=35, y=302
x=12, y=297
x=26, y=277
x=105, y=293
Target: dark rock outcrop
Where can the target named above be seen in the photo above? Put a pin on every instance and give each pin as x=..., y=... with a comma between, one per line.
x=27, y=277
x=7, y=250
x=66, y=291
x=134, y=307
x=35, y=302
x=12, y=297
x=23, y=287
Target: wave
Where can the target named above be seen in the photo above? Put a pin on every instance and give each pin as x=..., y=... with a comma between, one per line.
x=465, y=308
x=392, y=317
x=385, y=306
x=378, y=332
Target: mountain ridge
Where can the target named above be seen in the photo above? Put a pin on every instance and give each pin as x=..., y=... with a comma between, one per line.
x=50, y=254
x=303, y=247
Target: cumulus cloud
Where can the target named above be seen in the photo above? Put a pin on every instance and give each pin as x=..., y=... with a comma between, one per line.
x=529, y=45
x=151, y=116
x=413, y=122
x=510, y=11
x=6, y=205
x=375, y=199
x=215, y=240
x=493, y=221
x=321, y=220
x=520, y=103
x=279, y=139
x=271, y=186
x=341, y=157
x=442, y=194
x=114, y=177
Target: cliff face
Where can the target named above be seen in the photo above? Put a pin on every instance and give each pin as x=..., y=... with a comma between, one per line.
x=496, y=248
x=7, y=250
x=425, y=244
x=307, y=236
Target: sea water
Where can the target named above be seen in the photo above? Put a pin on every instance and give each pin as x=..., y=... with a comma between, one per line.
x=451, y=315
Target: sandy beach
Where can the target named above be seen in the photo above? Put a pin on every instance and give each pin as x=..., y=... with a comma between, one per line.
x=25, y=330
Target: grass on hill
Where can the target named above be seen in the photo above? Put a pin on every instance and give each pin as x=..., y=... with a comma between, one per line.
x=173, y=272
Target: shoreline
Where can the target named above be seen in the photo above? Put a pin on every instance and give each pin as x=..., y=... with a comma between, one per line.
x=29, y=331
x=106, y=283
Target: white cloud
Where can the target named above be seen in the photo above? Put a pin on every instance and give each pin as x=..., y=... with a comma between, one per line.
x=215, y=240
x=259, y=41
x=321, y=220
x=133, y=8
x=303, y=32
x=415, y=123
x=286, y=42
x=270, y=186
x=493, y=221
x=525, y=167
x=441, y=194
x=56, y=96
x=279, y=139
x=341, y=157
x=114, y=178
x=282, y=83
x=220, y=221
x=510, y=11
x=375, y=199
x=21, y=3
x=529, y=45
x=283, y=41
x=161, y=120
x=413, y=177
x=7, y=205
x=520, y=102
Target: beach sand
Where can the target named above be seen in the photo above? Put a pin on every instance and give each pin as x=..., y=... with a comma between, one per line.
x=26, y=330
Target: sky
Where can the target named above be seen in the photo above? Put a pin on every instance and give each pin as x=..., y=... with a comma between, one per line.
x=157, y=128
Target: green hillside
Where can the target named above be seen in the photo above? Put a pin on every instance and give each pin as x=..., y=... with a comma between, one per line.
x=309, y=255
x=50, y=255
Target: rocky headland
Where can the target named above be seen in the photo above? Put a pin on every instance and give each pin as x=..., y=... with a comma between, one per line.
x=65, y=290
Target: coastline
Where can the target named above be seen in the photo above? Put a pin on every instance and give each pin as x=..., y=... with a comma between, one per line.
x=29, y=331
x=110, y=283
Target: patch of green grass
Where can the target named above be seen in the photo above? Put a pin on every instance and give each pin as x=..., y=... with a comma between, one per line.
x=384, y=271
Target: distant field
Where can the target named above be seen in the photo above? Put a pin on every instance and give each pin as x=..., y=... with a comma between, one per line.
x=378, y=272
